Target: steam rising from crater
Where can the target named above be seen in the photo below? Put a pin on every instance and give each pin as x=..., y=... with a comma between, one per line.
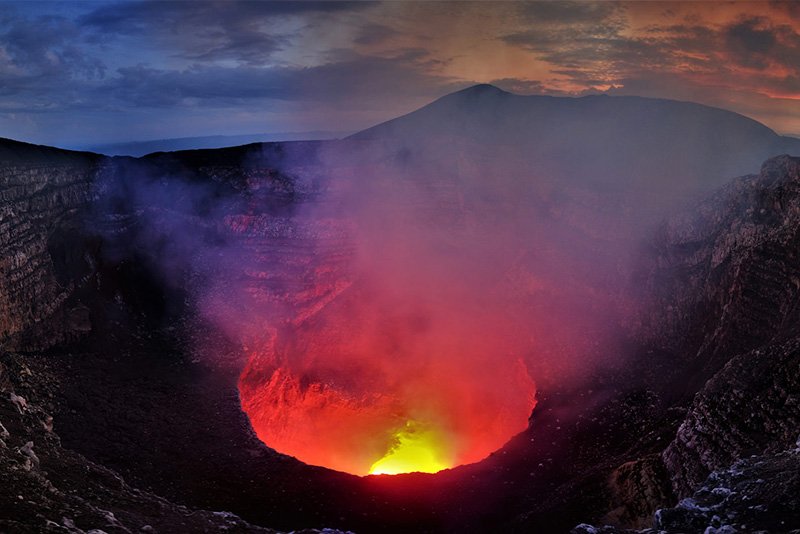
x=397, y=295
x=417, y=360
x=421, y=357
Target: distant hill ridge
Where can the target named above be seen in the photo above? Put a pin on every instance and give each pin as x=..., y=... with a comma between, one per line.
x=14, y=153
x=620, y=141
x=142, y=148
x=609, y=141
x=484, y=101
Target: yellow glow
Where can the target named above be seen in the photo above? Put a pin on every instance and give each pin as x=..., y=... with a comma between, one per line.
x=417, y=449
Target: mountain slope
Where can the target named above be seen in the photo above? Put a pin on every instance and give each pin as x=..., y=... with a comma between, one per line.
x=19, y=153
x=611, y=142
x=546, y=174
x=141, y=148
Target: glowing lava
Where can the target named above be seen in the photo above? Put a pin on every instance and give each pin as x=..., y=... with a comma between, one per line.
x=386, y=392
x=417, y=449
x=416, y=364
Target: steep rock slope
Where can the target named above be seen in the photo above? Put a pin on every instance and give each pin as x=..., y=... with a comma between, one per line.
x=44, y=195
x=722, y=268
x=756, y=494
x=750, y=407
x=62, y=282
x=724, y=284
x=725, y=275
x=47, y=488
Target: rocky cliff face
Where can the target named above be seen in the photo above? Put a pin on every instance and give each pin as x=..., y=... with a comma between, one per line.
x=730, y=306
x=44, y=195
x=62, y=283
x=724, y=289
x=47, y=488
x=750, y=407
x=756, y=494
x=713, y=382
x=726, y=275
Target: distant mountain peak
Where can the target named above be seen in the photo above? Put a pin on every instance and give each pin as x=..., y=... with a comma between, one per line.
x=484, y=88
x=481, y=89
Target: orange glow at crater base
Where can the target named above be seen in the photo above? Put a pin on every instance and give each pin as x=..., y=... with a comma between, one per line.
x=376, y=393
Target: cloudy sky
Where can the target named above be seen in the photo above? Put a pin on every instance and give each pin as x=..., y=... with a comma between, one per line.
x=75, y=73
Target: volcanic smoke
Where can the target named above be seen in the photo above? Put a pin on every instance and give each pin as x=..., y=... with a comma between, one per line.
x=420, y=302
x=395, y=314
x=415, y=365
x=416, y=362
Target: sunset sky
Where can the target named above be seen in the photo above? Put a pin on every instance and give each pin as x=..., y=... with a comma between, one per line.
x=74, y=73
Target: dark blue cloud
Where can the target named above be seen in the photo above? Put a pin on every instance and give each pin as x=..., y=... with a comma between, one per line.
x=752, y=42
x=44, y=63
x=353, y=80
x=207, y=30
x=216, y=65
x=569, y=13
x=121, y=65
x=152, y=16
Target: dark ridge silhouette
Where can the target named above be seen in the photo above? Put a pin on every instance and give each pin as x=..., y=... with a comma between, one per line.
x=610, y=142
x=20, y=153
x=142, y=148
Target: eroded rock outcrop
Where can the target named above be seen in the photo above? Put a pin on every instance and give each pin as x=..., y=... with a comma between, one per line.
x=640, y=486
x=47, y=488
x=752, y=406
x=726, y=274
x=44, y=193
x=723, y=341
x=725, y=281
x=759, y=494
x=730, y=278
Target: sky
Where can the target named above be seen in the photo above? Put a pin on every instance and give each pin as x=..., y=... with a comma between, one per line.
x=83, y=73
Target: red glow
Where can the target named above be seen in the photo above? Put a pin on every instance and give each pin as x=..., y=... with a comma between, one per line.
x=413, y=306
x=356, y=384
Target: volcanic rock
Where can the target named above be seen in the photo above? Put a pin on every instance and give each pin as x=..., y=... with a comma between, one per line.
x=57, y=490
x=710, y=377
